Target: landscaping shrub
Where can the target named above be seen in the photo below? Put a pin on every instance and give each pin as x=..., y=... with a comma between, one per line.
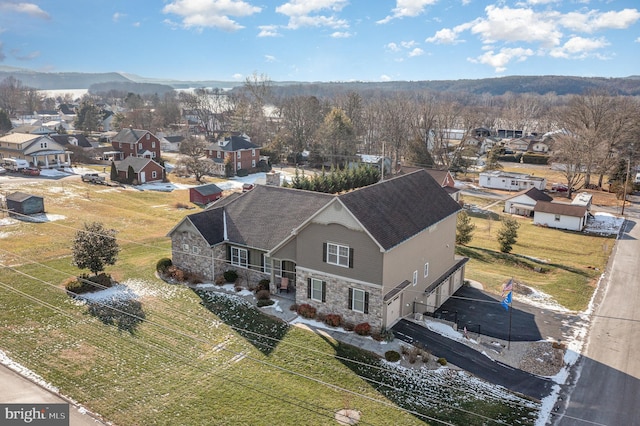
x=442, y=361
x=348, y=326
x=220, y=280
x=163, y=264
x=263, y=284
x=333, y=320
x=307, y=311
x=426, y=355
x=363, y=329
x=265, y=302
x=392, y=356
x=242, y=172
x=293, y=307
x=535, y=159
x=176, y=274
x=86, y=283
x=263, y=295
x=238, y=288
x=404, y=349
x=230, y=276
x=413, y=354
x=386, y=335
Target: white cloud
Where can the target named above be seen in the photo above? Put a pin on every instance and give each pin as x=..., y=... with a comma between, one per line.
x=392, y=47
x=407, y=8
x=270, y=58
x=341, y=34
x=237, y=76
x=500, y=60
x=116, y=16
x=385, y=77
x=210, y=13
x=511, y=25
x=169, y=23
x=416, y=52
x=408, y=44
x=578, y=47
x=30, y=9
x=594, y=20
x=27, y=57
x=638, y=40
x=313, y=13
x=136, y=24
x=444, y=36
x=268, y=31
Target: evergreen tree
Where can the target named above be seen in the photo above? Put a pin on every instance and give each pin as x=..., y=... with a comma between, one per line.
x=131, y=175
x=508, y=234
x=492, y=160
x=464, y=228
x=5, y=122
x=114, y=172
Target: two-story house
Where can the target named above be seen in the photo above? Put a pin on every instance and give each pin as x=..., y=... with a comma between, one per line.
x=239, y=151
x=136, y=143
x=374, y=254
x=39, y=150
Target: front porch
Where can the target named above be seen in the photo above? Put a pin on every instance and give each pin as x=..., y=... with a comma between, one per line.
x=51, y=159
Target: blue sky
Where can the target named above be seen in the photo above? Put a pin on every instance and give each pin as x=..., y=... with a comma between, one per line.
x=323, y=40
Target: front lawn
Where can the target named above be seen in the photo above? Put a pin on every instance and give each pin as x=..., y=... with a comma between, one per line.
x=564, y=264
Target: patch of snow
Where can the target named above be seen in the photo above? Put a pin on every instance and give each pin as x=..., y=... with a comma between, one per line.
x=540, y=299
x=25, y=372
x=52, y=173
x=205, y=285
x=604, y=224
x=42, y=217
x=443, y=329
x=8, y=221
x=129, y=289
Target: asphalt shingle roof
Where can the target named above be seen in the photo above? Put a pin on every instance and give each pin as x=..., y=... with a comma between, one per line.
x=137, y=163
x=535, y=194
x=392, y=211
x=209, y=189
x=560, y=208
x=399, y=208
x=129, y=136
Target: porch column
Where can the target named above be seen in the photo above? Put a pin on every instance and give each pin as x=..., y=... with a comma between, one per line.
x=46, y=161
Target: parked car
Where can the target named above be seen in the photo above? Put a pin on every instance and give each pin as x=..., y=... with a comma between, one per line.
x=3, y=171
x=93, y=178
x=247, y=187
x=559, y=187
x=30, y=171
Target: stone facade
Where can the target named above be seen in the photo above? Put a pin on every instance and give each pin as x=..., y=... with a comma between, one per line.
x=337, y=299
x=191, y=253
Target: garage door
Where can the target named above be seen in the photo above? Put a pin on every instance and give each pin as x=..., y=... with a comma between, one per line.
x=393, y=311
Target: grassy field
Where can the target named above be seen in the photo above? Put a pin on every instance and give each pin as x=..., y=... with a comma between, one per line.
x=190, y=358
x=566, y=265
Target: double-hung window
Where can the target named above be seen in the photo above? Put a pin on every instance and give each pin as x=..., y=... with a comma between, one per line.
x=239, y=257
x=337, y=254
x=317, y=289
x=359, y=300
x=269, y=265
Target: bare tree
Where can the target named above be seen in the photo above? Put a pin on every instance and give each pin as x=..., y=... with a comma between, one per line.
x=396, y=124
x=11, y=95
x=338, y=138
x=209, y=106
x=301, y=117
x=193, y=157
x=568, y=152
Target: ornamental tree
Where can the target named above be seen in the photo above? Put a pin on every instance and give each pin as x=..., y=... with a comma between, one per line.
x=94, y=247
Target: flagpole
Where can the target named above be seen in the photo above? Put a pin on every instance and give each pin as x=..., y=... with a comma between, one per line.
x=510, y=314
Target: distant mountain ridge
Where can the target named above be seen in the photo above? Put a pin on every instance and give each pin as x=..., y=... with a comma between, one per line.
x=561, y=85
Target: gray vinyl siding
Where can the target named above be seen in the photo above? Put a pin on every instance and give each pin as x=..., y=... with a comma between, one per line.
x=435, y=246
x=367, y=258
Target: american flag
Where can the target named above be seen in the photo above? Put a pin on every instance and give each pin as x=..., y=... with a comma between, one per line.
x=507, y=288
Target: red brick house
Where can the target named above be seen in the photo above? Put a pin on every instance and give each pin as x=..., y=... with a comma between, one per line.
x=204, y=194
x=145, y=170
x=136, y=143
x=241, y=152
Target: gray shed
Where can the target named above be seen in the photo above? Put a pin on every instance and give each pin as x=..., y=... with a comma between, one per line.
x=26, y=204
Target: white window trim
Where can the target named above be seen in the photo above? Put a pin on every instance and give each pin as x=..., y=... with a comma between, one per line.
x=337, y=256
x=253, y=163
x=426, y=269
x=236, y=260
x=315, y=282
x=355, y=291
x=266, y=264
x=239, y=165
x=415, y=277
x=185, y=247
x=195, y=250
x=154, y=174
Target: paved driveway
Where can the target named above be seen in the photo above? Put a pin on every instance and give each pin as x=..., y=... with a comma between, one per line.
x=482, y=313
x=473, y=361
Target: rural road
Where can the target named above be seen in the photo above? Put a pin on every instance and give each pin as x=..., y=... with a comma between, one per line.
x=16, y=389
x=473, y=361
x=605, y=383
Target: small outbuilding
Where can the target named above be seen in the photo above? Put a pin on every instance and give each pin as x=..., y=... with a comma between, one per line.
x=204, y=194
x=560, y=215
x=20, y=203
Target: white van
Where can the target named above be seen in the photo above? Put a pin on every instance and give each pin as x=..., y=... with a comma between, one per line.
x=15, y=164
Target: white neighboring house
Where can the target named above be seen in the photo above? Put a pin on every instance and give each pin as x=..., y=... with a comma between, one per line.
x=510, y=181
x=524, y=202
x=560, y=215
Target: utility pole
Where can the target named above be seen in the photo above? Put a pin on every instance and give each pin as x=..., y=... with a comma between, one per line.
x=626, y=182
